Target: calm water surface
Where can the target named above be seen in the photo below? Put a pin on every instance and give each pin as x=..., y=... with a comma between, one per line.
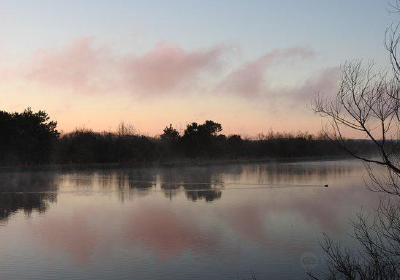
x=215, y=222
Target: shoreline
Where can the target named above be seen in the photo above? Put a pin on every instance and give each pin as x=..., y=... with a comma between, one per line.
x=166, y=164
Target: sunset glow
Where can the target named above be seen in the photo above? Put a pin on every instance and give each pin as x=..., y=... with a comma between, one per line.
x=254, y=69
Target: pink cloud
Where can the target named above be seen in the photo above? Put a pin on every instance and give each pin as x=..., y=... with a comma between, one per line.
x=84, y=68
x=326, y=82
x=77, y=66
x=166, y=67
x=296, y=97
x=249, y=79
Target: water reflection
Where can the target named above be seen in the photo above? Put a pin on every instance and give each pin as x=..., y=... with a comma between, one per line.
x=198, y=183
x=129, y=182
x=27, y=192
x=159, y=222
x=12, y=203
x=166, y=233
x=34, y=191
x=298, y=173
x=73, y=234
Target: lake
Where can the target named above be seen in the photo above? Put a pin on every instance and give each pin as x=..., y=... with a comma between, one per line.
x=210, y=222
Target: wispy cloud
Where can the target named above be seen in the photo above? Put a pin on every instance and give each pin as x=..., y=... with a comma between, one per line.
x=79, y=66
x=325, y=81
x=83, y=67
x=167, y=67
x=249, y=80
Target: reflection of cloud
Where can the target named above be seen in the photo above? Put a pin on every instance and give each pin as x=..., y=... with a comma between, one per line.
x=73, y=234
x=252, y=222
x=330, y=209
x=280, y=218
x=77, y=233
x=313, y=209
x=248, y=221
x=166, y=233
x=273, y=219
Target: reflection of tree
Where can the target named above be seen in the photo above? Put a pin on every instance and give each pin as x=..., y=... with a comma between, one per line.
x=27, y=192
x=128, y=183
x=141, y=179
x=198, y=182
x=207, y=195
x=296, y=173
x=171, y=182
x=12, y=203
x=201, y=184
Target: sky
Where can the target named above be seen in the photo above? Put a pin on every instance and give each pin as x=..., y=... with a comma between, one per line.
x=253, y=66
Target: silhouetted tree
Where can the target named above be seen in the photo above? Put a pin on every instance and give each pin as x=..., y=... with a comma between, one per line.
x=7, y=134
x=31, y=138
x=27, y=137
x=170, y=133
x=199, y=139
x=210, y=129
x=125, y=129
x=369, y=103
x=86, y=146
x=235, y=145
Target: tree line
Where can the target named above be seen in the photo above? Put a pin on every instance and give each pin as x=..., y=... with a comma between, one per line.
x=30, y=138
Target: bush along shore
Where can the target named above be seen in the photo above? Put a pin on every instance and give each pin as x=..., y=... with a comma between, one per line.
x=32, y=139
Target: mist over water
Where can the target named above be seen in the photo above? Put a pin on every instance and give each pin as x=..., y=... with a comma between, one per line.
x=213, y=222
